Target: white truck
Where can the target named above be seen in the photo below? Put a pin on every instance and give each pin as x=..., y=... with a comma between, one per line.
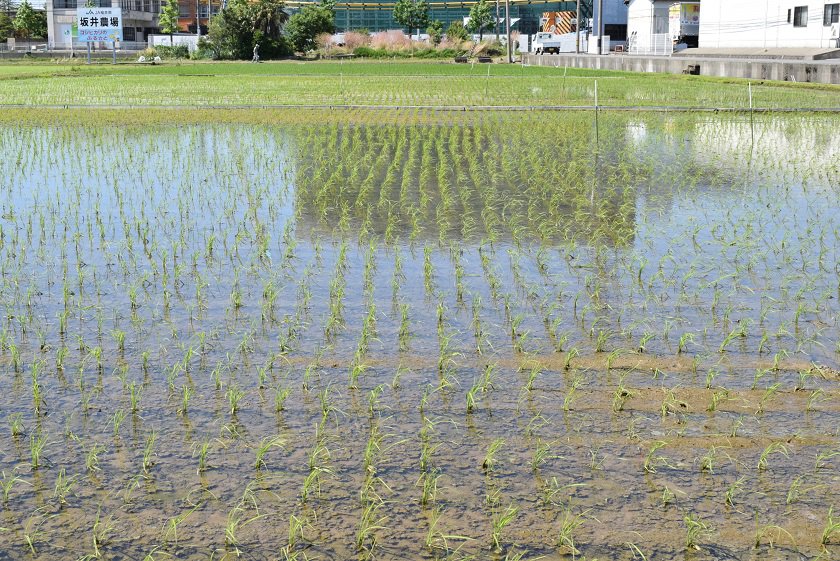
x=546, y=43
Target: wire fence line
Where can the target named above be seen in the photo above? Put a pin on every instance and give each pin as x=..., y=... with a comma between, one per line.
x=451, y=108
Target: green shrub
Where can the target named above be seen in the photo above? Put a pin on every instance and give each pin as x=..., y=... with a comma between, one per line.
x=424, y=53
x=177, y=51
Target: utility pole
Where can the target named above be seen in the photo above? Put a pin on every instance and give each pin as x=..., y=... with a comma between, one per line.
x=507, y=30
x=577, y=29
x=497, y=20
x=197, y=19
x=601, y=28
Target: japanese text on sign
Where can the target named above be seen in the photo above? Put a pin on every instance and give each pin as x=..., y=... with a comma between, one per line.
x=99, y=24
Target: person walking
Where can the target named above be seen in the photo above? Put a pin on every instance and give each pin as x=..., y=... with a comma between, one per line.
x=256, y=53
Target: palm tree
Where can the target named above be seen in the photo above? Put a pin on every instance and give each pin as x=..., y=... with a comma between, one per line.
x=269, y=17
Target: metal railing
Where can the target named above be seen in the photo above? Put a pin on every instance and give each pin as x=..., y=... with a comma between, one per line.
x=77, y=47
x=655, y=44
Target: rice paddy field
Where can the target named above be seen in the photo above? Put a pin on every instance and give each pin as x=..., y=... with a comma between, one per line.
x=391, y=84
x=416, y=333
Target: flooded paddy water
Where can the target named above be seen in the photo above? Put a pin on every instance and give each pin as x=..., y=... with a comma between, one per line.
x=435, y=336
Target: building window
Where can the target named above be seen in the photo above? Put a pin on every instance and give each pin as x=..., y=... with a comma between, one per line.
x=800, y=16
x=832, y=14
x=129, y=34
x=184, y=11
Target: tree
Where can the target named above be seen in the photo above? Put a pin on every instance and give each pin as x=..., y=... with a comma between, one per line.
x=412, y=14
x=28, y=23
x=6, y=27
x=480, y=18
x=435, y=31
x=241, y=25
x=310, y=22
x=168, y=19
x=456, y=32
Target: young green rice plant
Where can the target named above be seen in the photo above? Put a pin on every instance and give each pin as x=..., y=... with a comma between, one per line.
x=685, y=339
x=500, y=521
x=695, y=530
x=717, y=397
x=569, y=524
x=815, y=397
x=667, y=497
x=571, y=354
x=571, y=394
x=823, y=457
x=711, y=374
x=490, y=459
x=7, y=483
x=735, y=488
x=769, y=393
x=369, y=522
x=100, y=533
x=435, y=538
x=32, y=528
x=428, y=482
x=647, y=336
x=262, y=449
x=772, y=448
x=736, y=426
x=149, y=452
x=832, y=527
x=613, y=355
x=234, y=395
x=92, y=457
x=770, y=533
x=134, y=391
x=404, y=334
x=541, y=455
x=119, y=337
x=281, y=394
x=653, y=460
x=670, y=404
x=711, y=458
x=186, y=395
x=200, y=450
x=621, y=394
x=36, y=449
x=170, y=532
x=16, y=424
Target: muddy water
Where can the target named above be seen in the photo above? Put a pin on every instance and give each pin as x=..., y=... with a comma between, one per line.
x=643, y=332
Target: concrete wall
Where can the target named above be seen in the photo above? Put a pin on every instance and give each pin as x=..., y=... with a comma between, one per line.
x=821, y=72
x=762, y=24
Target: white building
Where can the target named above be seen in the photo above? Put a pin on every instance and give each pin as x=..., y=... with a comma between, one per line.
x=139, y=19
x=770, y=24
x=647, y=26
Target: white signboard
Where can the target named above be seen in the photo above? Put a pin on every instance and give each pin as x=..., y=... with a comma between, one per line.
x=99, y=24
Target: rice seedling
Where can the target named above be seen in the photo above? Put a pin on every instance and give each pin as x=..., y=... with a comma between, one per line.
x=149, y=452
x=772, y=448
x=263, y=448
x=832, y=527
x=653, y=460
x=500, y=521
x=569, y=524
x=771, y=533
x=36, y=450
x=490, y=459
x=234, y=395
x=695, y=530
x=8, y=483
